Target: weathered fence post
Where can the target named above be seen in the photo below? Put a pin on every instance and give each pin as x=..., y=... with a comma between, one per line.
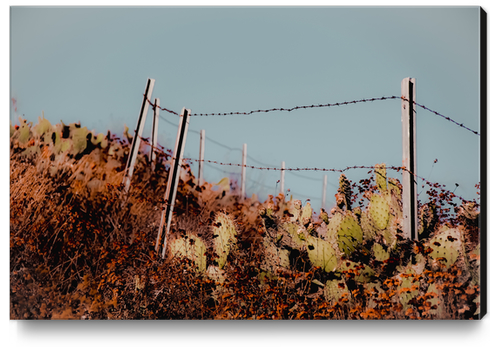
x=173, y=179
x=409, y=139
x=283, y=166
x=154, y=134
x=133, y=153
x=324, y=197
x=200, y=179
x=244, y=163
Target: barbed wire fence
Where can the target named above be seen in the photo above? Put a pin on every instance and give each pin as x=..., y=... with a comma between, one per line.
x=321, y=106
x=307, y=169
x=410, y=177
x=293, y=171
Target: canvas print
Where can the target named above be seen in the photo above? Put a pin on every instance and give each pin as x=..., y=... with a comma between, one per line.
x=233, y=163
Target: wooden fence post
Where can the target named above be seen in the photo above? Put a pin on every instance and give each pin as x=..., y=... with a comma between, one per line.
x=200, y=179
x=283, y=166
x=409, y=139
x=133, y=153
x=173, y=179
x=324, y=197
x=244, y=163
x=154, y=135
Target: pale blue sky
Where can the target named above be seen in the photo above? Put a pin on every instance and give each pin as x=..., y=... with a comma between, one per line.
x=91, y=65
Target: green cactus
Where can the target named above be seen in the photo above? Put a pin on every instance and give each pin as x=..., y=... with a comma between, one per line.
x=363, y=273
x=349, y=234
x=24, y=132
x=43, y=126
x=321, y=253
x=190, y=247
x=100, y=139
x=474, y=267
x=224, y=237
x=448, y=245
x=294, y=210
x=408, y=288
x=79, y=138
x=379, y=209
x=344, y=231
x=296, y=233
x=324, y=216
x=126, y=134
x=394, y=188
x=368, y=226
x=334, y=290
x=380, y=171
x=437, y=301
x=380, y=253
x=344, y=193
x=306, y=213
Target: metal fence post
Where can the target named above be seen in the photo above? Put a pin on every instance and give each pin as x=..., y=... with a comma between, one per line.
x=324, y=197
x=409, y=139
x=283, y=166
x=133, y=153
x=244, y=163
x=173, y=179
x=200, y=179
x=154, y=134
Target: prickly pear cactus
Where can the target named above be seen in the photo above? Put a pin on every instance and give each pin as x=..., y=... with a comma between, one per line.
x=190, y=247
x=43, y=126
x=345, y=232
x=324, y=216
x=79, y=138
x=100, y=139
x=349, y=234
x=344, y=195
x=435, y=301
x=380, y=254
x=380, y=171
x=293, y=208
x=24, y=131
x=360, y=273
x=379, y=209
x=408, y=288
x=224, y=237
x=334, y=290
x=295, y=236
x=306, y=213
x=447, y=245
x=321, y=253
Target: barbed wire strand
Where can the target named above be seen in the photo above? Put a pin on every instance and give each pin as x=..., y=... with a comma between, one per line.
x=321, y=106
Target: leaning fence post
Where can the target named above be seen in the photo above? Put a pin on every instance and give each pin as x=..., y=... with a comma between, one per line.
x=173, y=179
x=324, y=197
x=283, y=167
x=244, y=163
x=154, y=134
x=200, y=179
x=137, y=136
x=409, y=139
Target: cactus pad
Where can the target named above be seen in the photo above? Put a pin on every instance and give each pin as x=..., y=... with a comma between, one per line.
x=379, y=208
x=380, y=171
x=190, y=247
x=321, y=253
x=225, y=237
x=447, y=244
